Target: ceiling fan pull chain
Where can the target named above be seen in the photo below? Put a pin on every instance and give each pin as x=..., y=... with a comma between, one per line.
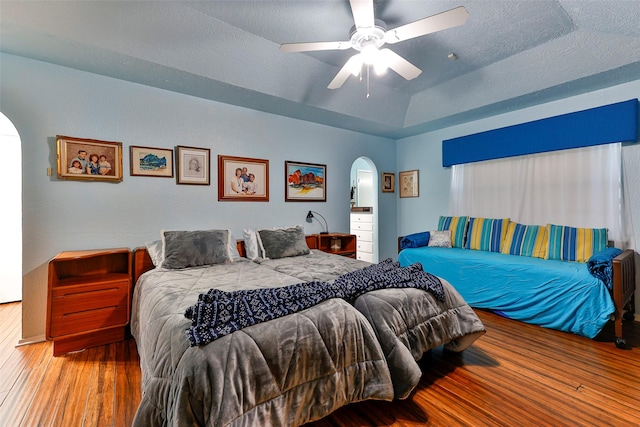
x=368, y=70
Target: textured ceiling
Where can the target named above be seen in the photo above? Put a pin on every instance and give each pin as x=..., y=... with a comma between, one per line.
x=511, y=54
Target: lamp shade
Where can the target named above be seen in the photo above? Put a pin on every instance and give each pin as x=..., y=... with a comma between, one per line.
x=311, y=216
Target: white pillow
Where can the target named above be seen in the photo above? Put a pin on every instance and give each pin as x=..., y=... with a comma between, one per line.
x=234, y=255
x=250, y=244
x=155, y=252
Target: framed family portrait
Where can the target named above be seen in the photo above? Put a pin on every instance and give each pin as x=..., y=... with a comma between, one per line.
x=89, y=159
x=243, y=179
x=388, y=182
x=408, y=183
x=304, y=182
x=148, y=161
x=193, y=165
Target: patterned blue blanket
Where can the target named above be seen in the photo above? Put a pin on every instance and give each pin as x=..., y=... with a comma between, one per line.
x=218, y=313
x=600, y=265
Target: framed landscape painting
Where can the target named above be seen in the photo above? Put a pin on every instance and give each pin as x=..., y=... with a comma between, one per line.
x=147, y=161
x=89, y=159
x=304, y=182
x=243, y=179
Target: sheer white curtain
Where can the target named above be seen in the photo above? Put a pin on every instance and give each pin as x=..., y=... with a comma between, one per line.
x=579, y=187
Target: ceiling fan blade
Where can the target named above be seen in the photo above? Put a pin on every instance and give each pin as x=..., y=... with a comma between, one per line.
x=362, y=13
x=354, y=63
x=308, y=47
x=431, y=24
x=400, y=65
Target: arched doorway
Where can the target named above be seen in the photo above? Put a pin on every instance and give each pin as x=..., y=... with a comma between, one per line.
x=364, y=207
x=11, y=195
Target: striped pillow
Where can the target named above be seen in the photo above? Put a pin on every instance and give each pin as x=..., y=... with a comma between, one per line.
x=526, y=240
x=575, y=244
x=458, y=227
x=486, y=234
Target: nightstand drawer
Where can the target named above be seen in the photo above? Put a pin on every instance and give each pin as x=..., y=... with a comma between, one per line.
x=76, y=309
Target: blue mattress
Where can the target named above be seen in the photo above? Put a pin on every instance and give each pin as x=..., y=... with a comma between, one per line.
x=554, y=294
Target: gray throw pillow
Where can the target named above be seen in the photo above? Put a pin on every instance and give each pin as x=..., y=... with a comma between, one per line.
x=283, y=242
x=440, y=239
x=195, y=248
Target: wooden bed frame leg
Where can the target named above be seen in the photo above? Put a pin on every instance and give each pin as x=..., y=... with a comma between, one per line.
x=624, y=285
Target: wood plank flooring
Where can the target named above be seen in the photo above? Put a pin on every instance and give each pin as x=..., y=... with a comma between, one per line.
x=515, y=375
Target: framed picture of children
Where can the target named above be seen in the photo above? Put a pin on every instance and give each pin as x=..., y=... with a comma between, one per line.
x=89, y=159
x=192, y=165
x=243, y=179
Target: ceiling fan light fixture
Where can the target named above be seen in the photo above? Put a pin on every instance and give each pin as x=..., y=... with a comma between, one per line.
x=370, y=54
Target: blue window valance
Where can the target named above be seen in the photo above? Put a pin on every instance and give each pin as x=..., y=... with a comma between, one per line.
x=602, y=125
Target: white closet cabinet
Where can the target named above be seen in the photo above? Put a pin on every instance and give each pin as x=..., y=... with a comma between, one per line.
x=362, y=226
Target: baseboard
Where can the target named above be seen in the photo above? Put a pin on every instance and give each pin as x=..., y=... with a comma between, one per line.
x=31, y=340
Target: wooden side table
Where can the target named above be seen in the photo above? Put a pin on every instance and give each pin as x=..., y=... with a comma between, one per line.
x=337, y=243
x=88, y=298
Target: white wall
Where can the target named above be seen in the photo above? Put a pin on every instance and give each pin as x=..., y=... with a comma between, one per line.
x=11, y=196
x=45, y=100
x=424, y=152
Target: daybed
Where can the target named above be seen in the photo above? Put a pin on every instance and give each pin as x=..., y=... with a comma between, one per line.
x=529, y=287
x=286, y=371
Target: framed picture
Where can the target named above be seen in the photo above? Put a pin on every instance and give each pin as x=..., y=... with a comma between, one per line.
x=192, y=165
x=388, y=182
x=147, y=161
x=243, y=179
x=304, y=182
x=408, y=183
x=89, y=159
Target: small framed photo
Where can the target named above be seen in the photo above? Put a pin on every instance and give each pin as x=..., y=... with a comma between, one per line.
x=409, y=185
x=148, y=161
x=305, y=182
x=89, y=159
x=192, y=165
x=388, y=182
x=243, y=179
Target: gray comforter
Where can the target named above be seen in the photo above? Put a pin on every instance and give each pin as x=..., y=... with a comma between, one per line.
x=287, y=371
x=408, y=322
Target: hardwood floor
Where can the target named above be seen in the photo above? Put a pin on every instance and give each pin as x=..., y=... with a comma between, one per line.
x=515, y=375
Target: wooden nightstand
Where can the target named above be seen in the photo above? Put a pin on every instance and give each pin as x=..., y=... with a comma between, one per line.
x=88, y=299
x=337, y=243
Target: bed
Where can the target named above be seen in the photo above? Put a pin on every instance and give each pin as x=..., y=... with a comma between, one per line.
x=407, y=321
x=325, y=357
x=554, y=294
x=286, y=371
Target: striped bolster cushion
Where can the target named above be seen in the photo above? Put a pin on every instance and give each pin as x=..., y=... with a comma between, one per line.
x=575, y=244
x=486, y=234
x=526, y=240
x=458, y=227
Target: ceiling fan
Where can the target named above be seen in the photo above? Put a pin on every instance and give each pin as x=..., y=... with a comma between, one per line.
x=368, y=35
